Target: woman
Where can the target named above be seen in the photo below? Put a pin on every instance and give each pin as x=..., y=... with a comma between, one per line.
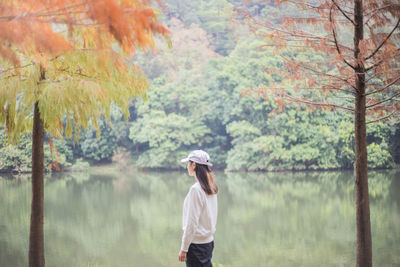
x=200, y=210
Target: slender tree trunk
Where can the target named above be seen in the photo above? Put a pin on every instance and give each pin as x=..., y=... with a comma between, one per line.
x=36, y=235
x=364, y=242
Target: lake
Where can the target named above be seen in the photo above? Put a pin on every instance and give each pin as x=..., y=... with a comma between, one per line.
x=133, y=218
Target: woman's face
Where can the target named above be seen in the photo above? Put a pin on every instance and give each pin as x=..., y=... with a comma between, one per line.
x=190, y=168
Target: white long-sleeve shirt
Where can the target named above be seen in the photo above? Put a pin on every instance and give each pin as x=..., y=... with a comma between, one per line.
x=199, y=217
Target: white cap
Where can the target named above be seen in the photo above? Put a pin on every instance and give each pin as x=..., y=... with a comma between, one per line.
x=198, y=156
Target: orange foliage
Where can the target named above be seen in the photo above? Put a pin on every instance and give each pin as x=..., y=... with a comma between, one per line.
x=54, y=164
x=37, y=26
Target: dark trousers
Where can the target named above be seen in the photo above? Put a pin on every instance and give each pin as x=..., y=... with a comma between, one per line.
x=199, y=255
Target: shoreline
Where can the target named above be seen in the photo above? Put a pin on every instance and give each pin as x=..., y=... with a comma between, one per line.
x=114, y=167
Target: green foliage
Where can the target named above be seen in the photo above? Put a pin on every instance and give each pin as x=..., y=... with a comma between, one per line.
x=220, y=265
x=394, y=142
x=98, y=149
x=166, y=136
x=212, y=16
x=15, y=157
x=379, y=156
x=66, y=154
x=18, y=157
x=215, y=17
x=242, y=130
x=80, y=165
x=77, y=87
x=245, y=131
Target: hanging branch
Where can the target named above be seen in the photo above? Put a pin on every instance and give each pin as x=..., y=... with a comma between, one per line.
x=336, y=41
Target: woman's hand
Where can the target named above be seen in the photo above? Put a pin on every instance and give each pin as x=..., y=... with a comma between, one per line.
x=182, y=255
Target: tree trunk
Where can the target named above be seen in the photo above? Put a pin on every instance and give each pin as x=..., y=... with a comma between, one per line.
x=36, y=235
x=364, y=242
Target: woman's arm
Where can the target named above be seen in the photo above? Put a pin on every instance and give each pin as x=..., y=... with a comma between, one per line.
x=182, y=255
x=193, y=208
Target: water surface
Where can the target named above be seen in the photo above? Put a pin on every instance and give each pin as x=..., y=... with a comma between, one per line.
x=265, y=219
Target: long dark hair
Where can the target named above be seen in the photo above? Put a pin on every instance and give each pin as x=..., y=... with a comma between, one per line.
x=206, y=178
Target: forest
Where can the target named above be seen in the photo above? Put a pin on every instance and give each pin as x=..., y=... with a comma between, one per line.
x=199, y=98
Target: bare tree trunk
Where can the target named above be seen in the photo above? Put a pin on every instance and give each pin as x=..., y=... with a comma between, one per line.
x=364, y=242
x=36, y=235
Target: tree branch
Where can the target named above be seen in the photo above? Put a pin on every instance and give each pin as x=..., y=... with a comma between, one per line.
x=385, y=87
x=336, y=41
x=309, y=88
x=24, y=66
x=14, y=68
x=344, y=13
x=383, y=101
x=330, y=75
x=295, y=99
x=374, y=66
x=80, y=74
x=384, y=41
x=382, y=118
x=301, y=34
x=331, y=43
x=38, y=13
x=376, y=10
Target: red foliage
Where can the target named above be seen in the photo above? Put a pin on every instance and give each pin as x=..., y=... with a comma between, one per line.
x=324, y=30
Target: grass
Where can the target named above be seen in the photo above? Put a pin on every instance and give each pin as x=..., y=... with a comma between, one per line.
x=219, y=265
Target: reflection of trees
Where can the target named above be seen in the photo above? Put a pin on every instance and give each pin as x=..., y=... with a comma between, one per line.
x=159, y=214
x=137, y=226
x=385, y=216
x=303, y=218
x=278, y=219
x=86, y=217
x=14, y=221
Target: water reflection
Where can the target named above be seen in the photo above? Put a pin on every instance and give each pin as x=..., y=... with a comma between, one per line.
x=134, y=219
